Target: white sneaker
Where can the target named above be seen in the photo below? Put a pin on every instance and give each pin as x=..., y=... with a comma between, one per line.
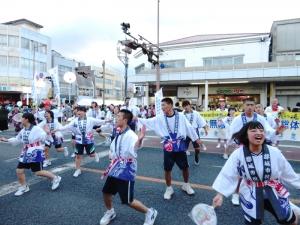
x=55, y=182
x=235, y=199
x=204, y=148
x=77, y=173
x=73, y=155
x=168, y=193
x=225, y=156
x=150, y=217
x=188, y=152
x=47, y=163
x=295, y=208
x=188, y=189
x=66, y=151
x=21, y=190
x=109, y=215
x=219, y=145
x=97, y=158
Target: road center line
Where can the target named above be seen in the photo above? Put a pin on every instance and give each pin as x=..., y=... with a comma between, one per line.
x=177, y=183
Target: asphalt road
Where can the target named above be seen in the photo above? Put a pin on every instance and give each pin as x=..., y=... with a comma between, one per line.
x=78, y=201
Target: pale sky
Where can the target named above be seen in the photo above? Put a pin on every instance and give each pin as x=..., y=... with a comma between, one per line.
x=89, y=30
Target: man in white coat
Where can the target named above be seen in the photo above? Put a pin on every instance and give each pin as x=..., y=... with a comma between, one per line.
x=173, y=128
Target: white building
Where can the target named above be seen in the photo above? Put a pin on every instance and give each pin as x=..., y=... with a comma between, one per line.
x=24, y=51
x=222, y=61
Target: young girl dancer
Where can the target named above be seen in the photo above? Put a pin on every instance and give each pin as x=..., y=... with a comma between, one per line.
x=32, y=154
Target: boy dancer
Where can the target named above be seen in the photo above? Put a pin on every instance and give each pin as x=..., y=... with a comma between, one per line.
x=56, y=139
x=197, y=122
x=173, y=128
x=82, y=127
x=122, y=170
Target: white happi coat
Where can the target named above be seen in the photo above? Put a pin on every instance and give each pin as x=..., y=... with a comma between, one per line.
x=57, y=126
x=36, y=137
x=237, y=124
x=198, y=121
x=124, y=164
x=236, y=167
x=159, y=126
x=94, y=113
x=73, y=126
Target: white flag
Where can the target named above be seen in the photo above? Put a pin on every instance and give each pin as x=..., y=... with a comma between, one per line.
x=53, y=72
x=158, y=97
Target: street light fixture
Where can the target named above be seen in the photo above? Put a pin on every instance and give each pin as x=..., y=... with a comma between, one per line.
x=70, y=78
x=124, y=59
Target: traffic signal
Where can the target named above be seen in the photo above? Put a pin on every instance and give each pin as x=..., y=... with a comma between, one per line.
x=84, y=71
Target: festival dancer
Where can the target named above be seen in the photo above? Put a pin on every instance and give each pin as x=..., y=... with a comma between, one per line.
x=135, y=111
x=227, y=122
x=262, y=168
x=56, y=139
x=82, y=127
x=197, y=122
x=249, y=115
x=122, y=171
x=220, y=125
x=32, y=154
x=173, y=128
x=270, y=119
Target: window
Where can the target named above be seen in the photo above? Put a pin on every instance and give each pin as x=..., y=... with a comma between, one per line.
x=118, y=83
x=107, y=81
x=13, y=41
x=25, y=43
x=172, y=64
x=139, y=68
x=13, y=62
x=43, y=67
x=3, y=40
x=25, y=63
x=223, y=60
x=3, y=61
x=42, y=48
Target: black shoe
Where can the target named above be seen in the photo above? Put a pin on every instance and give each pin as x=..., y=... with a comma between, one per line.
x=196, y=158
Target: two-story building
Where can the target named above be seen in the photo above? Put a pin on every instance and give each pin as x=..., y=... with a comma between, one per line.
x=24, y=52
x=206, y=68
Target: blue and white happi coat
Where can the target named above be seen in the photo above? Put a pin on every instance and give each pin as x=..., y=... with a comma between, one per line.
x=83, y=129
x=281, y=173
x=123, y=156
x=33, y=144
x=173, y=138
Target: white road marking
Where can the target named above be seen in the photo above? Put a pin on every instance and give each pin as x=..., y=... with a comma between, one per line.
x=12, y=187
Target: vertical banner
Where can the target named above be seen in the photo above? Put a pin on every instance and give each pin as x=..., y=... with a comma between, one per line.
x=158, y=97
x=54, y=74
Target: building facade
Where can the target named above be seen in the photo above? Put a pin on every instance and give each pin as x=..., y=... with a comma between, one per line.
x=206, y=68
x=285, y=47
x=193, y=66
x=24, y=52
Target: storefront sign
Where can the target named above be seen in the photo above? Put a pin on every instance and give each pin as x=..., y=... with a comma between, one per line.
x=230, y=91
x=187, y=92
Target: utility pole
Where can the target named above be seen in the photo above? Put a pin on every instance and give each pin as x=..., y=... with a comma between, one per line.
x=126, y=72
x=103, y=72
x=158, y=51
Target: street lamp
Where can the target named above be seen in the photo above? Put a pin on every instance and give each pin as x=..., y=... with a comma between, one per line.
x=124, y=59
x=147, y=49
x=70, y=78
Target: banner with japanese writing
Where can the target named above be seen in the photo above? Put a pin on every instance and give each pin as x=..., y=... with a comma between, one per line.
x=290, y=120
x=158, y=97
